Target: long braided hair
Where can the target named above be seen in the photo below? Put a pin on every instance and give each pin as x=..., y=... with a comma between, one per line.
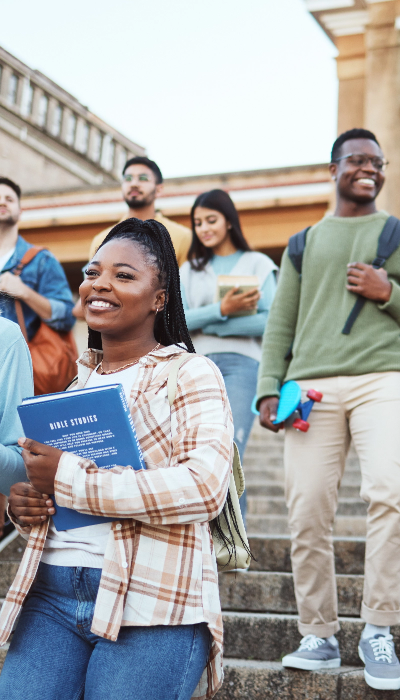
x=153, y=238
x=170, y=323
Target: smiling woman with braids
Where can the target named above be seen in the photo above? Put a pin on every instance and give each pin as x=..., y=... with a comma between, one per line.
x=128, y=609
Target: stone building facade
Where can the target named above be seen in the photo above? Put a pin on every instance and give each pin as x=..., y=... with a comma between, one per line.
x=366, y=34
x=48, y=140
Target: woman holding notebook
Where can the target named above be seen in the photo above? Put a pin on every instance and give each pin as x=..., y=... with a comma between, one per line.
x=227, y=291
x=127, y=609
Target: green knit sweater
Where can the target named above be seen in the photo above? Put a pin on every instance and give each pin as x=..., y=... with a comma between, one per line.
x=309, y=314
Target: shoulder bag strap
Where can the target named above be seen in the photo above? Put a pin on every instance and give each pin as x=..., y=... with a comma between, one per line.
x=26, y=258
x=296, y=246
x=172, y=385
x=388, y=242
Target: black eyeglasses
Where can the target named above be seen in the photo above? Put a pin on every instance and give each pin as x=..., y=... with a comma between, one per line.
x=361, y=159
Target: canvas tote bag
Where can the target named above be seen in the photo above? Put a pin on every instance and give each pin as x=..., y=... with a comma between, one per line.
x=54, y=354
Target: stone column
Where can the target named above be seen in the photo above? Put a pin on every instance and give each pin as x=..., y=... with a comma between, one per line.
x=79, y=135
x=20, y=91
x=351, y=74
x=37, y=94
x=5, y=78
x=119, y=160
x=67, y=113
x=382, y=95
x=53, y=103
x=94, y=148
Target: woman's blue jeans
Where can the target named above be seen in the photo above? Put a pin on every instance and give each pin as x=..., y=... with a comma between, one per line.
x=240, y=377
x=54, y=655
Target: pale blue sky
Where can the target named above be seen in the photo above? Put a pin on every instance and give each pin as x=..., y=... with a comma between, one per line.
x=205, y=85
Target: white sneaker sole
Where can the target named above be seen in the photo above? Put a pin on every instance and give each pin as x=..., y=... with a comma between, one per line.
x=378, y=683
x=290, y=661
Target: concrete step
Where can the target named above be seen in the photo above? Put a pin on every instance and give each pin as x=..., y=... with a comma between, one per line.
x=262, y=460
x=273, y=592
x=262, y=466
x=14, y=550
x=263, y=457
x=261, y=505
x=269, y=489
x=3, y=652
x=272, y=553
x=345, y=526
x=10, y=558
x=266, y=472
x=268, y=637
x=267, y=680
x=259, y=487
x=8, y=570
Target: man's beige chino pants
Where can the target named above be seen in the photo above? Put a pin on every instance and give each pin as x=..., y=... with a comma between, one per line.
x=365, y=408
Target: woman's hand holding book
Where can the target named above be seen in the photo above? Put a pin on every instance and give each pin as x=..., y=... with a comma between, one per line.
x=41, y=464
x=235, y=301
x=27, y=506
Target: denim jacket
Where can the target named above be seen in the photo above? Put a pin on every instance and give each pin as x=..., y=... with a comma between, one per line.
x=45, y=275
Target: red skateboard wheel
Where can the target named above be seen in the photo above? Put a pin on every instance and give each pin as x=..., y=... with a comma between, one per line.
x=300, y=424
x=314, y=395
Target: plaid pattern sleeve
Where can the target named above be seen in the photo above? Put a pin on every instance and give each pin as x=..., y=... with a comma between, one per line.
x=193, y=489
x=159, y=566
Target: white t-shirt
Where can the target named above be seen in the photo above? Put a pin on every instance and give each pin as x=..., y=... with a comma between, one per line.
x=5, y=258
x=85, y=546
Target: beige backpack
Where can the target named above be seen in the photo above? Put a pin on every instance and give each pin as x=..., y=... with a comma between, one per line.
x=229, y=536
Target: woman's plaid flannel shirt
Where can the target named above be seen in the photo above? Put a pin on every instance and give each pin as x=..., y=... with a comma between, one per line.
x=159, y=567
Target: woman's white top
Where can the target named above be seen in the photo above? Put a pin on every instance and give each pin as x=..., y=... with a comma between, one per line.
x=85, y=546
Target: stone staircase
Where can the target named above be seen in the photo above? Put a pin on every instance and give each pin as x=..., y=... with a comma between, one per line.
x=259, y=606
x=10, y=558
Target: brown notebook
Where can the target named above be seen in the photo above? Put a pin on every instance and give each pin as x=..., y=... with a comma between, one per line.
x=245, y=283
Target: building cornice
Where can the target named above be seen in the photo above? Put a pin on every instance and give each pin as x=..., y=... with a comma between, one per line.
x=339, y=17
x=260, y=189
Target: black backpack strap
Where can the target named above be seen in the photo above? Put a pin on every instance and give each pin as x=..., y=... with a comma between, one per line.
x=296, y=246
x=358, y=305
x=388, y=242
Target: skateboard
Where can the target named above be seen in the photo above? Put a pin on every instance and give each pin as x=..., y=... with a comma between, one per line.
x=290, y=402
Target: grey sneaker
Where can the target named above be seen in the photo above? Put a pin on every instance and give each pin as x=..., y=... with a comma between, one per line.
x=382, y=667
x=313, y=654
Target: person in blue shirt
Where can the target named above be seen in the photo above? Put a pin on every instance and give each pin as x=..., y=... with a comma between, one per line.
x=16, y=383
x=232, y=342
x=42, y=286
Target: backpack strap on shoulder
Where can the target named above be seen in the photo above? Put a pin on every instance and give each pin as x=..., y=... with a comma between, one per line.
x=27, y=258
x=172, y=382
x=388, y=242
x=296, y=246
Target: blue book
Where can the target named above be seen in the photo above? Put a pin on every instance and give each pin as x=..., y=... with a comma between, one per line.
x=94, y=423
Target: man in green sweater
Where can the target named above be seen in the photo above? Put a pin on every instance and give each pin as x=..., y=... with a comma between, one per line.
x=359, y=376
